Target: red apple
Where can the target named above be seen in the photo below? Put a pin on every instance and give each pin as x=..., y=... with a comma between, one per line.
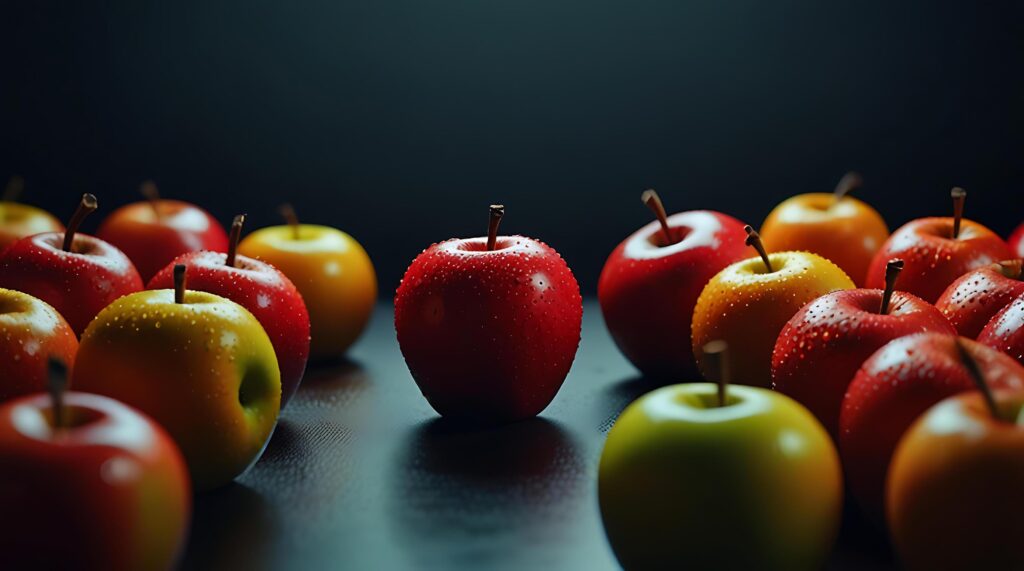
x=77, y=274
x=155, y=231
x=263, y=290
x=489, y=326
x=31, y=333
x=972, y=300
x=1006, y=330
x=937, y=251
x=898, y=383
x=96, y=486
x=821, y=348
x=650, y=285
x=1016, y=241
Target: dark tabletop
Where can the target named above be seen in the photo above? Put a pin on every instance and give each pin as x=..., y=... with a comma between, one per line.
x=362, y=474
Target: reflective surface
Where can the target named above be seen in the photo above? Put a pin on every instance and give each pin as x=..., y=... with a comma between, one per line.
x=361, y=474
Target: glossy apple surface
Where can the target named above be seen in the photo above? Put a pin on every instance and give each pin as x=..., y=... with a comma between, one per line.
x=332, y=272
x=954, y=493
x=204, y=369
x=686, y=484
x=489, y=335
x=933, y=258
x=648, y=288
x=78, y=284
x=1016, y=241
x=821, y=348
x=895, y=386
x=152, y=241
x=846, y=231
x=19, y=220
x=263, y=290
x=31, y=332
x=1006, y=330
x=747, y=306
x=107, y=491
x=972, y=300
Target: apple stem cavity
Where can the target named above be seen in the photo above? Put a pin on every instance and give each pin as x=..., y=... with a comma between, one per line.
x=236, y=235
x=86, y=206
x=497, y=212
x=850, y=182
x=288, y=212
x=651, y=199
x=179, y=283
x=892, y=271
x=754, y=240
x=976, y=375
x=717, y=351
x=152, y=194
x=1011, y=268
x=959, y=196
x=57, y=385
x=15, y=186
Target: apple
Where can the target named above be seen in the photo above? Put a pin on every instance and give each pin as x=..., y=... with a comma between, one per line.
x=259, y=287
x=31, y=333
x=489, y=326
x=1016, y=241
x=1005, y=332
x=895, y=386
x=833, y=225
x=748, y=303
x=972, y=300
x=651, y=282
x=77, y=274
x=19, y=220
x=821, y=348
x=155, y=231
x=197, y=363
x=954, y=496
x=332, y=273
x=89, y=483
x=699, y=476
x=937, y=251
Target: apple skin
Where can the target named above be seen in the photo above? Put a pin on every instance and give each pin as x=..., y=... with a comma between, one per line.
x=686, y=484
x=151, y=242
x=932, y=258
x=263, y=290
x=895, y=386
x=972, y=301
x=1016, y=241
x=954, y=493
x=111, y=491
x=19, y=220
x=747, y=307
x=648, y=291
x=489, y=336
x=332, y=272
x=848, y=232
x=1006, y=330
x=204, y=369
x=31, y=332
x=78, y=284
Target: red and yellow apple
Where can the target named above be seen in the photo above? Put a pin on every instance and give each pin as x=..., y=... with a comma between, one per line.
x=31, y=333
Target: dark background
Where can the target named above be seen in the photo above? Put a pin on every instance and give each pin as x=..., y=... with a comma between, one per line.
x=400, y=121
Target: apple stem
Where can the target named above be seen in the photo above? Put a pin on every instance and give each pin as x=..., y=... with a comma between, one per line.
x=179, y=283
x=653, y=201
x=236, y=235
x=892, y=271
x=976, y=375
x=754, y=240
x=86, y=206
x=1011, y=268
x=959, y=196
x=718, y=350
x=13, y=190
x=288, y=212
x=57, y=385
x=497, y=212
x=850, y=182
x=148, y=189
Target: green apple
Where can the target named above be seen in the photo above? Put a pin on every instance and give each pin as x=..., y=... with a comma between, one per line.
x=688, y=484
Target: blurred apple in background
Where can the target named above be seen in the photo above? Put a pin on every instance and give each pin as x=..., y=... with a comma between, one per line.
x=1016, y=241
x=973, y=300
x=31, y=333
x=19, y=220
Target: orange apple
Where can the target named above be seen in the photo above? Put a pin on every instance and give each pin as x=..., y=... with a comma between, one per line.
x=833, y=225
